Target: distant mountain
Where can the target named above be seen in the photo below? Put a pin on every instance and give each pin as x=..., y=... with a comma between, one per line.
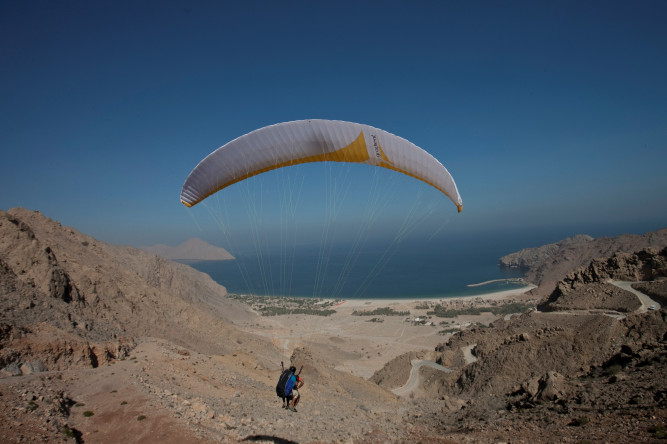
x=547, y=265
x=191, y=250
x=529, y=257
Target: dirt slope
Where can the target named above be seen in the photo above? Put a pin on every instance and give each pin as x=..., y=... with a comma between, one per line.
x=123, y=334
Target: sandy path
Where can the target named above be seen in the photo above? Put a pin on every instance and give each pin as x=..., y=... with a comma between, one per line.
x=467, y=353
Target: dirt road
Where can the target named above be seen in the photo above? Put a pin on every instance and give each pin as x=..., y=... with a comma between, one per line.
x=413, y=381
x=646, y=301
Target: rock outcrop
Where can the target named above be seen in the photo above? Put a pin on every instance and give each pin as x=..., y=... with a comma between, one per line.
x=656, y=290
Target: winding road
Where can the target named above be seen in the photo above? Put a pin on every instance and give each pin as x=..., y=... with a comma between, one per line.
x=413, y=380
x=643, y=299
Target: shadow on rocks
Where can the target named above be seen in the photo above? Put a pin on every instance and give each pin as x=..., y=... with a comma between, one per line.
x=265, y=438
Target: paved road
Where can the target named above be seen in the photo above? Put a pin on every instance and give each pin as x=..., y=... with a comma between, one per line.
x=413, y=380
x=644, y=299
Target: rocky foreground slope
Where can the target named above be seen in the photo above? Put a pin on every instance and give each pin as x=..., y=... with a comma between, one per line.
x=100, y=343
x=589, y=365
x=554, y=378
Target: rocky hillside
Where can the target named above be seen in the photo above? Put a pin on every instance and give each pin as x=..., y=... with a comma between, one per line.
x=551, y=377
x=578, y=371
x=65, y=290
x=548, y=264
x=656, y=290
x=100, y=343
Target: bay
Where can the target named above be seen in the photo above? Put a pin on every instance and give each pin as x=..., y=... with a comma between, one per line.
x=409, y=270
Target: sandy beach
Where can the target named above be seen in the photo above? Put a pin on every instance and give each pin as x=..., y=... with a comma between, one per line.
x=409, y=302
x=362, y=344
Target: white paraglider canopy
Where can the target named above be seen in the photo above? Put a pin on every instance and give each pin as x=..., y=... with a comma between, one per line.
x=304, y=141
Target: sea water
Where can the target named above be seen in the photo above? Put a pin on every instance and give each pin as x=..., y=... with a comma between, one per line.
x=409, y=270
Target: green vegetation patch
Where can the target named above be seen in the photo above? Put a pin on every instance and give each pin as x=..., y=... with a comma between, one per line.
x=513, y=307
x=381, y=311
x=88, y=413
x=68, y=432
x=276, y=306
x=276, y=311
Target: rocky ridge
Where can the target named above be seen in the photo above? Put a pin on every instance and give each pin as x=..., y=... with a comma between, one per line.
x=530, y=257
x=190, y=250
x=546, y=265
x=557, y=377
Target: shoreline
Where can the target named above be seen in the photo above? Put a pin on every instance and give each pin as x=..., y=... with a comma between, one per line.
x=484, y=297
x=493, y=281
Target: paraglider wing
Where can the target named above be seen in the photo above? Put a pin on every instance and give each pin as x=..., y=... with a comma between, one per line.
x=303, y=141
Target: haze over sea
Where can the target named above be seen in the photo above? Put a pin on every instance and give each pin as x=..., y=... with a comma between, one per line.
x=411, y=270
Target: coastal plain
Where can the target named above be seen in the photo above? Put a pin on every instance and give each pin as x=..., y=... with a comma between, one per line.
x=359, y=342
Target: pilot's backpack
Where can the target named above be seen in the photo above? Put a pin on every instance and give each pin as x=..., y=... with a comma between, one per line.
x=285, y=384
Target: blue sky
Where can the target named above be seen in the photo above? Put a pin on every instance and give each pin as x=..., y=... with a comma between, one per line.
x=551, y=116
